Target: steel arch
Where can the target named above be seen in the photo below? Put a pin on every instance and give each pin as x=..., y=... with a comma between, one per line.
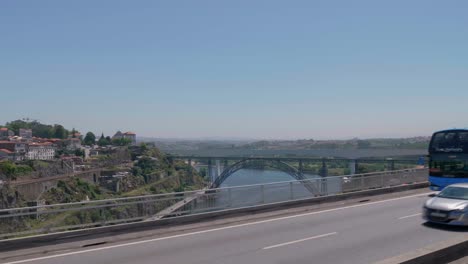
x=276, y=164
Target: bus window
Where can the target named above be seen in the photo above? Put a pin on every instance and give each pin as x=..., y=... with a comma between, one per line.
x=446, y=142
x=463, y=140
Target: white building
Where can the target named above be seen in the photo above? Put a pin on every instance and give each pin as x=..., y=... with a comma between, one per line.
x=127, y=135
x=5, y=133
x=40, y=151
x=131, y=136
x=18, y=148
x=26, y=134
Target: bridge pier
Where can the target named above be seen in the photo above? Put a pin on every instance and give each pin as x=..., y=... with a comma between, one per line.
x=391, y=165
x=352, y=167
x=323, y=182
x=324, y=170
x=190, y=169
x=210, y=174
x=301, y=167
x=218, y=168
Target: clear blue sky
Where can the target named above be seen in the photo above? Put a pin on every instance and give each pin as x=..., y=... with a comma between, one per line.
x=244, y=69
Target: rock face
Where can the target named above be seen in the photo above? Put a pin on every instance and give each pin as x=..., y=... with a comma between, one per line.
x=72, y=190
x=9, y=197
x=49, y=169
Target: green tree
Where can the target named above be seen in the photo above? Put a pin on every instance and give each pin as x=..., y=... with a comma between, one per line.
x=144, y=147
x=79, y=153
x=41, y=130
x=362, y=144
x=90, y=139
x=102, y=140
x=121, y=142
x=38, y=129
x=146, y=165
x=203, y=172
x=11, y=170
x=60, y=132
x=16, y=125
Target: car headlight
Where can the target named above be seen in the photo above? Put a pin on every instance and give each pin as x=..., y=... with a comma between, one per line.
x=459, y=212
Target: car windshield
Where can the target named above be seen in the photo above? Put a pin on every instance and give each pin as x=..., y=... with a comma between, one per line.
x=454, y=193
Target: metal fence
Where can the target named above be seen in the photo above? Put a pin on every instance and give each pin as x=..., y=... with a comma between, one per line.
x=25, y=221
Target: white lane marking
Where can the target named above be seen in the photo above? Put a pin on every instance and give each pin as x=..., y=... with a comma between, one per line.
x=215, y=229
x=409, y=216
x=300, y=240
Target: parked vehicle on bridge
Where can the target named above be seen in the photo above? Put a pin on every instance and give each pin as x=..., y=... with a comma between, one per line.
x=449, y=207
x=448, y=158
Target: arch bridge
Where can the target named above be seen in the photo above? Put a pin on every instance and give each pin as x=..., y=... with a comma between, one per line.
x=221, y=168
x=254, y=163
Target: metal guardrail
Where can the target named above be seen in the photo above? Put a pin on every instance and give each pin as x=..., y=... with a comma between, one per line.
x=24, y=221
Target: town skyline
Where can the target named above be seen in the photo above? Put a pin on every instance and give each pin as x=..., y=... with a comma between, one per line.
x=109, y=132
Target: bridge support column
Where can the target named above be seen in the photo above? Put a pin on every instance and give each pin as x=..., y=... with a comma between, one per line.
x=210, y=174
x=352, y=167
x=218, y=168
x=356, y=167
x=391, y=165
x=190, y=169
x=323, y=181
x=301, y=167
x=324, y=170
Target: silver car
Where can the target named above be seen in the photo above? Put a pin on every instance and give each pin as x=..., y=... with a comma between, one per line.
x=449, y=207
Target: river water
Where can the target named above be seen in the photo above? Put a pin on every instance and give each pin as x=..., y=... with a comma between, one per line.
x=269, y=186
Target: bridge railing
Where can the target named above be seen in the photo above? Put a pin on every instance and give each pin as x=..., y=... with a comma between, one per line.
x=26, y=221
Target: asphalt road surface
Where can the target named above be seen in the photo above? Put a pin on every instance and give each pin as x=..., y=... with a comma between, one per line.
x=360, y=233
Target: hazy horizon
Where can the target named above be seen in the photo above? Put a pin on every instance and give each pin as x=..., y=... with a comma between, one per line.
x=267, y=139
x=240, y=69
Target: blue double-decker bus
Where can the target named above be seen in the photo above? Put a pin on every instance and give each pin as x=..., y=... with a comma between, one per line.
x=448, y=158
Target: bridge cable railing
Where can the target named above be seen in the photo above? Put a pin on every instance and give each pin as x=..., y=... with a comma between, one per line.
x=33, y=220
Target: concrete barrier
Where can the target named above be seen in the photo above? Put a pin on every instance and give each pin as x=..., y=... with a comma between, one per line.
x=69, y=236
x=440, y=253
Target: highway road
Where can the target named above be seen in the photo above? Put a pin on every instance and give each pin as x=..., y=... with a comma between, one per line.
x=358, y=233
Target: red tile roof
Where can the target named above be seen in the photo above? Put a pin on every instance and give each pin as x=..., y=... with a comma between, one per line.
x=40, y=144
x=6, y=151
x=3, y=129
x=129, y=133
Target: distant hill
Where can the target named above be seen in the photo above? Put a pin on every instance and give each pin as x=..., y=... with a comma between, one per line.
x=379, y=143
x=420, y=143
x=353, y=148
